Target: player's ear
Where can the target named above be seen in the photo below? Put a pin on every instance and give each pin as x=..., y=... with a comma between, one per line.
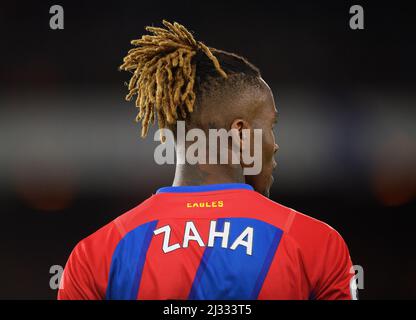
x=241, y=131
x=240, y=124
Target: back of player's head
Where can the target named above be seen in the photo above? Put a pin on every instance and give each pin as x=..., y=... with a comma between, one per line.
x=172, y=73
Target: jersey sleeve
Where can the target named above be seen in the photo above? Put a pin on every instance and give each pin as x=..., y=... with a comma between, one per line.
x=86, y=272
x=78, y=282
x=335, y=280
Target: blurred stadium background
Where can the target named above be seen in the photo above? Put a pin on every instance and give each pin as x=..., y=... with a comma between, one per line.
x=71, y=158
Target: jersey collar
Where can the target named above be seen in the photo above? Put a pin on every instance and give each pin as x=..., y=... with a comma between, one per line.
x=204, y=188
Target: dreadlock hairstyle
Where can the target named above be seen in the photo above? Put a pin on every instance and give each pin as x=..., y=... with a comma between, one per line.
x=170, y=68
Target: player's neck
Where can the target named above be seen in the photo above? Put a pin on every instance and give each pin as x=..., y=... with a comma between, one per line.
x=202, y=174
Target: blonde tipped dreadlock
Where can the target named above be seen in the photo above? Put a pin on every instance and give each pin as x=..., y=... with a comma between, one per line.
x=164, y=74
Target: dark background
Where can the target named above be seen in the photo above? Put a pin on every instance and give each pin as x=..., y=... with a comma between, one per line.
x=71, y=158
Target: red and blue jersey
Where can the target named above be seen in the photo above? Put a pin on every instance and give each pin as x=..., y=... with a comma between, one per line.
x=212, y=242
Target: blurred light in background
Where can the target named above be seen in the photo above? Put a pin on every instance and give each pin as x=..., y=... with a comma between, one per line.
x=57, y=145
x=41, y=178
x=394, y=173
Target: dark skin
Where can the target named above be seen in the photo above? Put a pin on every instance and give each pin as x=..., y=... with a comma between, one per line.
x=247, y=108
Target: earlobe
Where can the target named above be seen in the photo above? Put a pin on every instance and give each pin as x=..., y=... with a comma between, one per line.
x=244, y=131
x=238, y=125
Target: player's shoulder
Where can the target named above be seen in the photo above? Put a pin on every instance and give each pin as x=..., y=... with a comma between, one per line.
x=312, y=235
x=292, y=216
x=108, y=236
x=297, y=225
x=307, y=224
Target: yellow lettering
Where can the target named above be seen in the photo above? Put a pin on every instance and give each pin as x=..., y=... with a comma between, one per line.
x=207, y=204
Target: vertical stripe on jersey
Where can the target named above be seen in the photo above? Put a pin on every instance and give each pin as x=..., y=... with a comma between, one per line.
x=170, y=275
x=127, y=263
x=233, y=274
